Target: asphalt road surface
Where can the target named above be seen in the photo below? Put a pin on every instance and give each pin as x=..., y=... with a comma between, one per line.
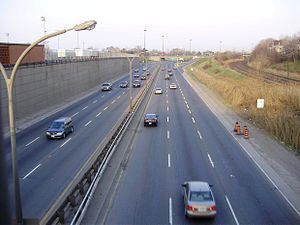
x=191, y=144
x=46, y=167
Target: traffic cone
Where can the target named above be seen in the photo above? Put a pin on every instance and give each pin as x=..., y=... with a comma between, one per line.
x=235, y=126
x=238, y=129
x=246, y=132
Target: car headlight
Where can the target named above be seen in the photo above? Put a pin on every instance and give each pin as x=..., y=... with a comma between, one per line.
x=48, y=133
x=59, y=133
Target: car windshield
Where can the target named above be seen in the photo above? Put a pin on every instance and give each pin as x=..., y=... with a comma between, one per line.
x=106, y=85
x=200, y=196
x=150, y=116
x=57, y=125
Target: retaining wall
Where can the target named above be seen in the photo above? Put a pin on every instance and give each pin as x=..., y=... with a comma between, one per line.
x=37, y=88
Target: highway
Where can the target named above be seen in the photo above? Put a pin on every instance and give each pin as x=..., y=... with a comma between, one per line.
x=46, y=167
x=190, y=144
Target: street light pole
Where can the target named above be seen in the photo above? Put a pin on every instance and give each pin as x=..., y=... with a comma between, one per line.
x=163, y=44
x=9, y=81
x=145, y=48
x=191, y=46
x=130, y=60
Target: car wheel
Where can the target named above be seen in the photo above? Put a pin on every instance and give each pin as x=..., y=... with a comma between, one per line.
x=64, y=135
x=72, y=130
x=145, y=124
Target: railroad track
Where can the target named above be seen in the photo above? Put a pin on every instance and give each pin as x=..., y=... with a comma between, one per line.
x=243, y=68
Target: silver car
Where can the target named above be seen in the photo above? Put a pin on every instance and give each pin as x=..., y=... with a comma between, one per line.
x=198, y=199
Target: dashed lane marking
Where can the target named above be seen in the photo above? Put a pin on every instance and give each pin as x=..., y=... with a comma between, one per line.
x=231, y=209
x=87, y=123
x=74, y=114
x=32, y=141
x=193, y=120
x=99, y=114
x=31, y=171
x=211, y=162
x=200, y=136
x=84, y=108
x=66, y=142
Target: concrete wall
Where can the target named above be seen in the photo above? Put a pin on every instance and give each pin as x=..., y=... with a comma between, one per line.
x=39, y=88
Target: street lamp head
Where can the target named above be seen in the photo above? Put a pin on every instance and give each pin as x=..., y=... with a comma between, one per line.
x=87, y=25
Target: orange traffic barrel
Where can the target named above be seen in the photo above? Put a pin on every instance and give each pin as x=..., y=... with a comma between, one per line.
x=246, y=132
x=238, y=129
x=235, y=126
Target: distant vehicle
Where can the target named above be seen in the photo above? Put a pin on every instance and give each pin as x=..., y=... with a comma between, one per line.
x=174, y=68
x=60, y=128
x=136, y=76
x=144, y=68
x=173, y=86
x=136, y=84
x=143, y=77
x=170, y=73
x=169, y=70
x=106, y=87
x=124, y=84
x=158, y=91
x=198, y=199
x=136, y=70
x=167, y=77
x=148, y=73
x=151, y=119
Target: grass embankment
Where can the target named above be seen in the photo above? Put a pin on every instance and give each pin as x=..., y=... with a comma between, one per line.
x=293, y=67
x=281, y=114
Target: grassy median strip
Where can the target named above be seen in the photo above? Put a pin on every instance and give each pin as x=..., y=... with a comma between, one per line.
x=281, y=114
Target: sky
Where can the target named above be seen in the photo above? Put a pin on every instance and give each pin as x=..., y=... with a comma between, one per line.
x=209, y=24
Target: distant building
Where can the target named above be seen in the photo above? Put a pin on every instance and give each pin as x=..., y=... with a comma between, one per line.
x=10, y=52
x=277, y=46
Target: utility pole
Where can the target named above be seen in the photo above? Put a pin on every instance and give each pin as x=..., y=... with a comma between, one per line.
x=191, y=46
x=7, y=35
x=4, y=203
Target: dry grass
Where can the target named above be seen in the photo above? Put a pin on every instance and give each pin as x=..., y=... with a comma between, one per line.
x=281, y=115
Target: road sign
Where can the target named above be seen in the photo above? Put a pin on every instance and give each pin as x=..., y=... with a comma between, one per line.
x=260, y=103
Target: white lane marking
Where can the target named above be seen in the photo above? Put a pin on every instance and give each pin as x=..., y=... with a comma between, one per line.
x=193, y=120
x=32, y=141
x=184, y=98
x=166, y=94
x=168, y=119
x=31, y=171
x=211, y=162
x=66, y=142
x=167, y=108
x=190, y=111
x=87, y=123
x=119, y=97
x=200, y=136
x=95, y=101
x=186, y=102
x=84, y=108
x=113, y=101
x=167, y=101
x=169, y=160
x=124, y=93
x=231, y=209
x=99, y=114
x=168, y=134
x=269, y=178
x=170, y=212
x=105, y=108
x=187, y=106
x=74, y=114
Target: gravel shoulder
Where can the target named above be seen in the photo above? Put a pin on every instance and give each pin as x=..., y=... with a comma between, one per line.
x=277, y=163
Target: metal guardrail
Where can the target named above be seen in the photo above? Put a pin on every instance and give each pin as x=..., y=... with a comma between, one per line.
x=72, y=201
